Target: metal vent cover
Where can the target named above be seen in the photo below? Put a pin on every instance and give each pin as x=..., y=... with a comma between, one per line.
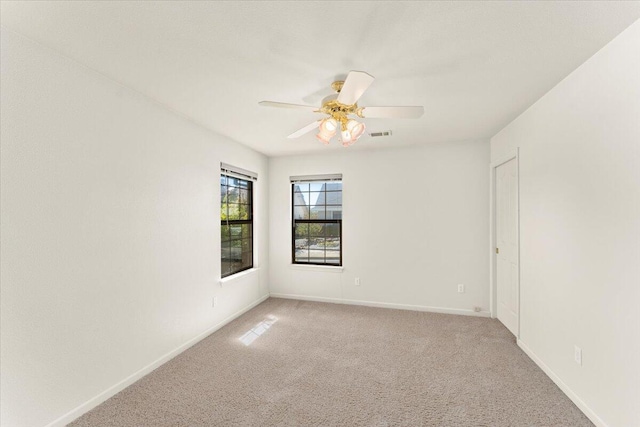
x=381, y=133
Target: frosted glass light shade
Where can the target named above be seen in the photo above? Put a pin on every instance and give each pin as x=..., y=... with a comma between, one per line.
x=356, y=129
x=328, y=128
x=329, y=125
x=324, y=138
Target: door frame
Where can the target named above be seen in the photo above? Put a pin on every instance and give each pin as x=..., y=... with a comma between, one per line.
x=493, y=284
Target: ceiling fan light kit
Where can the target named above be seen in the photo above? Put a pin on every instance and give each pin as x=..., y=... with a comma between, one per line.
x=343, y=104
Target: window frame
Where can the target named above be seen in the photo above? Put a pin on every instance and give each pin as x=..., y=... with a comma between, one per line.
x=229, y=223
x=295, y=221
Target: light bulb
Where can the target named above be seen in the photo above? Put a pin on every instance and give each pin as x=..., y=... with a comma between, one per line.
x=346, y=137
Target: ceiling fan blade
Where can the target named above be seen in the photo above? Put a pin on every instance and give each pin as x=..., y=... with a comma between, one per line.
x=307, y=128
x=285, y=105
x=392, y=112
x=354, y=86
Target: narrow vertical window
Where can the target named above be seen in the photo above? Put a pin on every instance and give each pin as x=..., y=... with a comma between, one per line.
x=236, y=227
x=317, y=220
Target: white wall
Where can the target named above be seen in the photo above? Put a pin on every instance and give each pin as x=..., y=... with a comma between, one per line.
x=415, y=224
x=580, y=230
x=110, y=233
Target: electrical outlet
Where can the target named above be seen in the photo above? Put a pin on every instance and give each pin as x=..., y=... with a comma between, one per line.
x=214, y=302
x=460, y=288
x=357, y=281
x=577, y=355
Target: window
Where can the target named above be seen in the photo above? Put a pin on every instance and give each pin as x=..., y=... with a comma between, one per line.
x=236, y=228
x=317, y=220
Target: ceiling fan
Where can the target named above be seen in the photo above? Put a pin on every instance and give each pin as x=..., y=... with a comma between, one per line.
x=341, y=105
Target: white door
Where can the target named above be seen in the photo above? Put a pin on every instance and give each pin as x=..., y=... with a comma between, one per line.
x=507, y=276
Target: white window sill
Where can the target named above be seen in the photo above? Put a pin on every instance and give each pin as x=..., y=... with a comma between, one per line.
x=233, y=277
x=323, y=268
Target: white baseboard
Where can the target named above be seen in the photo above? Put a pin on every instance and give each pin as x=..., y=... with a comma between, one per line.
x=565, y=388
x=458, y=311
x=113, y=390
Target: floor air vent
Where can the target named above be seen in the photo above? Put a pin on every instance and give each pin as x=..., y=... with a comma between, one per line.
x=383, y=133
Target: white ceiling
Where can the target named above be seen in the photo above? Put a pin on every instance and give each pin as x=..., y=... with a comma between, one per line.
x=473, y=65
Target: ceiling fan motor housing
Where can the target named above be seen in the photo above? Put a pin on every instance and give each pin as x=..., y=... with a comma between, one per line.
x=329, y=98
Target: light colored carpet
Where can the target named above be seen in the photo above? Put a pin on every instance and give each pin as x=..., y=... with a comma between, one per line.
x=317, y=364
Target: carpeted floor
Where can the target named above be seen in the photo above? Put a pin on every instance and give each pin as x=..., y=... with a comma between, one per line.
x=317, y=364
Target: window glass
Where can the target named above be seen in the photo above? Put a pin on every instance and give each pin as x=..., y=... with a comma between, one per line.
x=236, y=229
x=317, y=222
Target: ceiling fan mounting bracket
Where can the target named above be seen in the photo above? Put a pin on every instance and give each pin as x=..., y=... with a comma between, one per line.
x=337, y=85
